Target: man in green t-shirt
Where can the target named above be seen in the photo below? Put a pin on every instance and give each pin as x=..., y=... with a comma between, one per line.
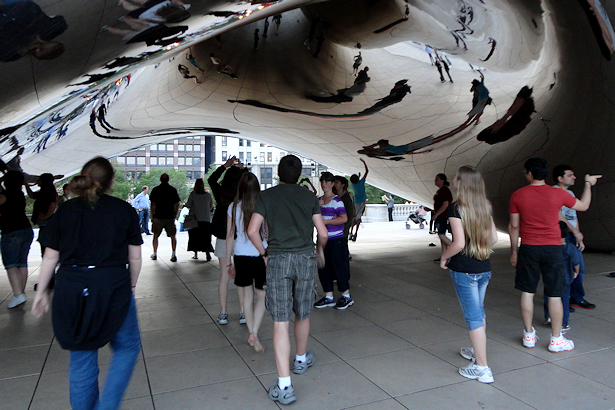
x=291, y=213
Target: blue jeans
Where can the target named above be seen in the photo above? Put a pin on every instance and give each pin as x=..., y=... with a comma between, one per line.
x=565, y=302
x=144, y=220
x=470, y=289
x=126, y=346
x=15, y=247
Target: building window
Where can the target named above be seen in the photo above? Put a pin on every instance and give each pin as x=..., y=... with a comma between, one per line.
x=241, y=157
x=306, y=171
x=189, y=161
x=121, y=160
x=130, y=160
x=189, y=147
x=181, y=147
x=197, y=174
x=240, y=142
x=262, y=157
x=197, y=162
x=262, y=145
x=224, y=155
x=224, y=141
x=197, y=148
x=189, y=174
x=266, y=175
x=248, y=143
x=181, y=161
x=140, y=160
x=170, y=148
x=269, y=157
x=153, y=161
x=249, y=157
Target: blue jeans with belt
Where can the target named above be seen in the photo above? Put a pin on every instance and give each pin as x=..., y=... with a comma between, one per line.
x=143, y=220
x=126, y=346
x=471, y=289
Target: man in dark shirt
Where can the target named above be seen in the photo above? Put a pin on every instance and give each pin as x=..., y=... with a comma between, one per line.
x=164, y=204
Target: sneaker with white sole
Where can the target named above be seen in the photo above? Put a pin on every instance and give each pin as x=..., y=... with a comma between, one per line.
x=467, y=353
x=472, y=371
x=529, y=339
x=284, y=396
x=343, y=302
x=153, y=256
x=242, y=319
x=16, y=301
x=560, y=344
x=301, y=367
x=324, y=302
x=222, y=318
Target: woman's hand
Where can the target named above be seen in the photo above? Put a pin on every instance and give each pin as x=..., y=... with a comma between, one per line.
x=230, y=271
x=443, y=263
x=41, y=304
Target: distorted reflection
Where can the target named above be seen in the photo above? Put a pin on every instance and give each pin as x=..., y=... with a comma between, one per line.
x=513, y=122
x=26, y=30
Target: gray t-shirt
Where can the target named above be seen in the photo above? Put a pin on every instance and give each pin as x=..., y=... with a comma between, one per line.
x=288, y=211
x=569, y=213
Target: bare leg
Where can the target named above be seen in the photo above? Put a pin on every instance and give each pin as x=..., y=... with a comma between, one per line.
x=259, y=310
x=241, y=294
x=24, y=278
x=281, y=347
x=223, y=285
x=479, y=343
x=251, y=318
x=15, y=280
x=527, y=310
x=173, y=243
x=155, y=244
x=302, y=332
x=556, y=311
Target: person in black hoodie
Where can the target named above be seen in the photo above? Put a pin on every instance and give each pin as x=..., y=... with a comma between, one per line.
x=224, y=194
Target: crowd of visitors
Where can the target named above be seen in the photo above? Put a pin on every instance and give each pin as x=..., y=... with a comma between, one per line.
x=265, y=242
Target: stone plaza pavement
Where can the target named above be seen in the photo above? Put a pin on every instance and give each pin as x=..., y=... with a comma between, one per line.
x=396, y=348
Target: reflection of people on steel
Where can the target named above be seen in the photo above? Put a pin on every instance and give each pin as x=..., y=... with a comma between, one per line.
x=439, y=67
x=95, y=131
x=26, y=30
x=266, y=27
x=319, y=42
x=601, y=25
x=513, y=122
x=445, y=66
x=383, y=150
x=396, y=94
x=277, y=19
x=493, y=44
x=256, y=38
x=151, y=34
x=481, y=96
x=124, y=61
x=313, y=27
x=346, y=94
x=222, y=68
x=192, y=61
x=428, y=50
x=186, y=73
x=358, y=60
x=362, y=77
x=458, y=39
x=102, y=111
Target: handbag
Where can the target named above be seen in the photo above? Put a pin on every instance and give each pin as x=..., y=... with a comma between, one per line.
x=190, y=221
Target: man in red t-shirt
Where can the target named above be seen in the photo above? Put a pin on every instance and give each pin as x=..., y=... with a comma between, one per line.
x=534, y=216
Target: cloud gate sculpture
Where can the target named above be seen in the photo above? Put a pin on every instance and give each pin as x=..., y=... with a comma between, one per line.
x=414, y=87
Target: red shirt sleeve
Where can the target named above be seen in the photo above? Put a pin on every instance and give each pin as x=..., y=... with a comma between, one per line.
x=512, y=206
x=568, y=200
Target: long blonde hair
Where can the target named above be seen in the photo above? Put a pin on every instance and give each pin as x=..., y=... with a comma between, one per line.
x=475, y=212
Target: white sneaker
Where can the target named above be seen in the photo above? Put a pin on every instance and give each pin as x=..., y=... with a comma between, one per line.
x=529, y=339
x=560, y=344
x=153, y=256
x=472, y=371
x=16, y=301
x=467, y=353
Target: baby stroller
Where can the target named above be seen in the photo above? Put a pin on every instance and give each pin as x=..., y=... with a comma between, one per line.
x=418, y=217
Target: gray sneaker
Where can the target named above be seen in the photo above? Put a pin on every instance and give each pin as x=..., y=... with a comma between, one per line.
x=472, y=371
x=222, y=319
x=285, y=396
x=301, y=367
x=242, y=319
x=467, y=353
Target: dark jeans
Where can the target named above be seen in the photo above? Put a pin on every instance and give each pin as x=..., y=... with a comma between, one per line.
x=390, y=214
x=336, y=266
x=144, y=220
x=577, y=292
x=565, y=302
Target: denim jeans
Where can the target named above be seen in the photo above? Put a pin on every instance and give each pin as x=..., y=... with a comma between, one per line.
x=15, y=247
x=144, y=220
x=565, y=303
x=336, y=265
x=470, y=289
x=126, y=345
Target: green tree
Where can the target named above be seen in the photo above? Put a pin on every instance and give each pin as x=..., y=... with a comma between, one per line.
x=123, y=187
x=177, y=179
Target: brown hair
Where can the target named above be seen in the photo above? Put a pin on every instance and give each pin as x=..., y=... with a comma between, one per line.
x=95, y=179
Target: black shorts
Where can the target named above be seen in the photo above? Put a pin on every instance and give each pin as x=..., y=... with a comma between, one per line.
x=442, y=226
x=250, y=270
x=535, y=260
